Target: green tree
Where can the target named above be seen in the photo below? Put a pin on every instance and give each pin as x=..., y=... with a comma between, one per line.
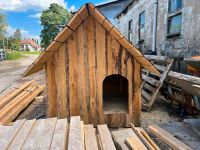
x=50, y=20
x=3, y=26
x=17, y=35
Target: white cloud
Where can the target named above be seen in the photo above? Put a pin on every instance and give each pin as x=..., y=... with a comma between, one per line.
x=37, y=15
x=23, y=5
x=72, y=8
x=25, y=33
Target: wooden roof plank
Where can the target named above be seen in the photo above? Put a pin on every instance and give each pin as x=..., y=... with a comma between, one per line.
x=83, y=13
x=75, y=22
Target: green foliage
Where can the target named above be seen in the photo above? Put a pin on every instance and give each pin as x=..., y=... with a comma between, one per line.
x=14, y=55
x=34, y=53
x=13, y=44
x=17, y=35
x=3, y=25
x=50, y=20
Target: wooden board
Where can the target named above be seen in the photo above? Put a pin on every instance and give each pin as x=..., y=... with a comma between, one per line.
x=76, y=140
x=120, y=136
x=21, y=136
x=105, y=138
x=152, y=82
x=60, y=76
x=41, y=135
x=90, y=137
x=134, y=144
x=51, y=87
x=168, y=138
x=144, y=137
x=60, y=137
x=187, y=132
x=9, y=134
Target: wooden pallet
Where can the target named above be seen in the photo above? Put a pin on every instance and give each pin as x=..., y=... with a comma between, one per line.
x=151, y=82
x=54, y=134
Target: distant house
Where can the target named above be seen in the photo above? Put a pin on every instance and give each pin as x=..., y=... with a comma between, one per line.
x=29, y=45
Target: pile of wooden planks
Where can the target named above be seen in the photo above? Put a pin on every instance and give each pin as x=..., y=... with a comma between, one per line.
x=59, y=134
x=152, y=82
x=135, y=139
x=168, y=139
x=53, y=133
x=12, y=103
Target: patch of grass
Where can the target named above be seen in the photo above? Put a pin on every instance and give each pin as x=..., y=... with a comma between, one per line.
x=37, y=52
x=14, y=55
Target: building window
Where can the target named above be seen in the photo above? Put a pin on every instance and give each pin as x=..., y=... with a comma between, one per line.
x=130, y=29
x=141, y=26
x=174, y=18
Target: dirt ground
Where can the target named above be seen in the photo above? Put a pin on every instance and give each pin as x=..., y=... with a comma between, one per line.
x=10, y=76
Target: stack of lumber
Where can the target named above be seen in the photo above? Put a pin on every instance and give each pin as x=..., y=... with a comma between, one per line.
x=59, y=134
x=12, y=103
x=53, y=133
x=151, y=82
x=134, y=139
x=167, y=138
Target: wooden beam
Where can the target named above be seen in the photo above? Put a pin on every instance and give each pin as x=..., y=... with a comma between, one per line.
x=145, y=138
x=76, y=140
x=167, y=138
x=60, y=76
x=60, y=136
x=51, y=87
x=133, y=143
x=41, y=135
x=21, y=136
x=137, y=93
x=90, y=137
x=9, y=134
x=105, y=138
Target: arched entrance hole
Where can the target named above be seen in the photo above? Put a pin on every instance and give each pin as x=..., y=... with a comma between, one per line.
x=115, y=94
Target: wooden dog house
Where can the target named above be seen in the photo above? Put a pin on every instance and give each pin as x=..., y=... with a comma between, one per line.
x=93, y=71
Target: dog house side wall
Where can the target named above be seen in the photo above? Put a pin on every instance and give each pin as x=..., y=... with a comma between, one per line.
x=76, y=72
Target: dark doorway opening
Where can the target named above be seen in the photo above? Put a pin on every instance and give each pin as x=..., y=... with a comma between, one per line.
x=115, y=94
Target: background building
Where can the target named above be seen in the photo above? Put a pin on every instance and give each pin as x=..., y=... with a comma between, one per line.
x=177, y=26
x=29, y=45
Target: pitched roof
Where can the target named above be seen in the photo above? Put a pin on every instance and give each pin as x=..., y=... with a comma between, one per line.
x=125, y=9
x=73, y=24
x=31, y=42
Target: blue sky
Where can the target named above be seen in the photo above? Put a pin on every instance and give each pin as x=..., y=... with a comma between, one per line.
x=24, y=14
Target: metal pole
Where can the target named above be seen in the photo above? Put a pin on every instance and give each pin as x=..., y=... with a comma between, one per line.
x=155, y=25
